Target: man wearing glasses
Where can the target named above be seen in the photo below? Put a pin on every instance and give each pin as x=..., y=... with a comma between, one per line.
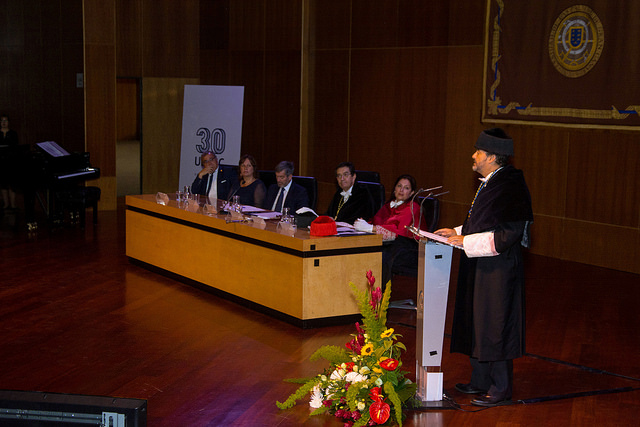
x=351, y=200
x=211, y=180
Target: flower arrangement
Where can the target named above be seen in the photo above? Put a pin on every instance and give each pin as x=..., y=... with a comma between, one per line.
x=364, y=385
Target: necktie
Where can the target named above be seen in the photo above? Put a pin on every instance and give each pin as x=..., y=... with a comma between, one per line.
x=278, y=207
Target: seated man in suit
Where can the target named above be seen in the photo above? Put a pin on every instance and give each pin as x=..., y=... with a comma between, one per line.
x=211, y=180
x=351, y=200
x=286, y=193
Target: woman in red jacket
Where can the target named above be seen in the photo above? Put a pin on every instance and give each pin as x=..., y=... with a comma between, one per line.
x=399, y=212
x=391, y=221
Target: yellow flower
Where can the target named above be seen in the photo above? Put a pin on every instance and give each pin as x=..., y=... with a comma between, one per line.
x=367, y=350
x=387, y=333
x=377, y=370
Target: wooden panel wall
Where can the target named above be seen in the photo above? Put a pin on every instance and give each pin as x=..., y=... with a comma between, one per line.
x=128, y=109
x=380, y=80
x=170, y=34
x=129, y=39
x=257, y=44
x=40, y=59
x=397, y=87
x=393, y=86
x=162, y=132
x=158, y=46
x=100, y=94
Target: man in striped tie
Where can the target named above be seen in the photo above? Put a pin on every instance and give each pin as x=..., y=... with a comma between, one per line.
x=286, y=193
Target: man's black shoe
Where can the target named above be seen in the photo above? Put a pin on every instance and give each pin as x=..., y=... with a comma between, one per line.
x=488, y=400
x=469, y=389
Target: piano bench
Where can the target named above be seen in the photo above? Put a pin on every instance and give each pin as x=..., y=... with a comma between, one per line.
x=79, y=199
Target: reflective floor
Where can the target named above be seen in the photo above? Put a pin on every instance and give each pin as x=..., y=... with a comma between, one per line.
x=77, y=317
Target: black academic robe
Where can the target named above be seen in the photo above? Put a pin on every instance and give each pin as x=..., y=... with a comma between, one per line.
x=359, y=205
x=489, y=317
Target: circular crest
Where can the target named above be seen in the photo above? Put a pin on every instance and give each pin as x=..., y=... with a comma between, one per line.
x=576, y=41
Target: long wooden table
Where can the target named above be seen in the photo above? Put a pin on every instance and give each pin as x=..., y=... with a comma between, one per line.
x=300, y=278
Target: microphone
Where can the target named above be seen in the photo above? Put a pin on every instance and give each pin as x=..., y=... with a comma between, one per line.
x=226, y=203
x=413, y=227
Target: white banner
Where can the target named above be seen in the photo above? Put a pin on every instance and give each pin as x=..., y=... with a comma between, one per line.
x=211, y=121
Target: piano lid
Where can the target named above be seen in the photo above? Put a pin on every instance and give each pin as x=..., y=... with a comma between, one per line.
x=53, y=149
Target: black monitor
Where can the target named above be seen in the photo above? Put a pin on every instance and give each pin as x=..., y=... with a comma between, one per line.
x=30, y=408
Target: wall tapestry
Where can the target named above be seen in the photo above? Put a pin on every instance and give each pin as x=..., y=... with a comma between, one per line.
x=562, y=62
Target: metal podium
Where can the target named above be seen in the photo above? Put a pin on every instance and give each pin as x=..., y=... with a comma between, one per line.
x=434, y=268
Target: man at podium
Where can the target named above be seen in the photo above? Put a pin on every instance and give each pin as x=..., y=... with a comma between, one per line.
x=489, y=323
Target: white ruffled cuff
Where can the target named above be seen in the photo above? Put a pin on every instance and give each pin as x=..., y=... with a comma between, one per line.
x=480, y=245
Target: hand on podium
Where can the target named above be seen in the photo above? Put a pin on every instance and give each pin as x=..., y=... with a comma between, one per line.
x=452, y=237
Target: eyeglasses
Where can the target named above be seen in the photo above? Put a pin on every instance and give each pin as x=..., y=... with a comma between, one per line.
x=343, y=175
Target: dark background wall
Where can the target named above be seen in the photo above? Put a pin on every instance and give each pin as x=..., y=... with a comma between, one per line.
x=41, y=51
x=394, y=86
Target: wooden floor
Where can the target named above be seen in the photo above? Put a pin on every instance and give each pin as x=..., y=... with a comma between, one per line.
x=77, y=317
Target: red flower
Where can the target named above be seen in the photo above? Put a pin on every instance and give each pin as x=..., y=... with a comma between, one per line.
x=376, y=297
x=356, y=343
x=349, y=366
x=380, y=412
x=389, y=364
x=374, y=394
x=370, y=278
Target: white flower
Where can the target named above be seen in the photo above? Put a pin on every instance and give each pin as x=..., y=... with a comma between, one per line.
x=354, y=377
x=316, y=398
x=365, y=370
x=378, y=382
x=361, y=406
x=338, y=374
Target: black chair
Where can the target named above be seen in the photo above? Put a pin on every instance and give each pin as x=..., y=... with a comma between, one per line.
x=229, y=170
x=267, y=176
x=310, y=184
x=77, y=200
x=368, y=176
x=430, y=207
x=377, y=193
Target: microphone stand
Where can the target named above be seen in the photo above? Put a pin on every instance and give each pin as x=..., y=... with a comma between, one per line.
x=413, y=218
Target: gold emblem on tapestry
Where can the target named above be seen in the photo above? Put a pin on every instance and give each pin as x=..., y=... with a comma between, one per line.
x=576, y=41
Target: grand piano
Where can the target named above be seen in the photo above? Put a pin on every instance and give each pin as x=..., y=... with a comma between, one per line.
x=60, y=176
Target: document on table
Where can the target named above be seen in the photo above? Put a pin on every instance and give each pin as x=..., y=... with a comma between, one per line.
x=252, y=209
x=346, y=229
x=267, y=214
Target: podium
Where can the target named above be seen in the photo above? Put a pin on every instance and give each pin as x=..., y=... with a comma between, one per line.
x=434, y=270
